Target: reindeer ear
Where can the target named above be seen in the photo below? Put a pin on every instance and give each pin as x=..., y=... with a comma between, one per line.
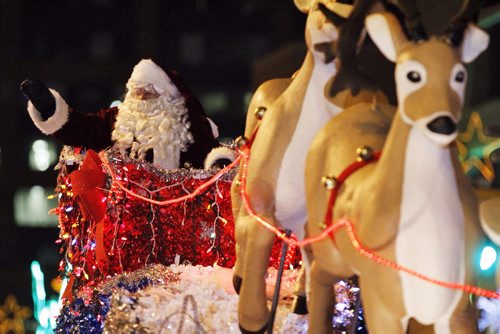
x=303, y=5
x=385, y=31
x=474, y=43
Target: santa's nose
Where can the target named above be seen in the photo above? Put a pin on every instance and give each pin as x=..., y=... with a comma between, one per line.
x=144, y=94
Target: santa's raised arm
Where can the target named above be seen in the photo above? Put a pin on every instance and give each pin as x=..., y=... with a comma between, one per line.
x=160, y=120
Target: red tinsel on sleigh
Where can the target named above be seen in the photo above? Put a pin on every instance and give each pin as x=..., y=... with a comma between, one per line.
x=104, y=231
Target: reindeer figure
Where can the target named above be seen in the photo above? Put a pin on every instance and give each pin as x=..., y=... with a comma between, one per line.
x=296, y=109
x=414, y=206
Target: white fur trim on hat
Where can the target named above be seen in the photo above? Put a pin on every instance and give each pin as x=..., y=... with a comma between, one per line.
x=213, y=126
x=146, y=72
x=54, y=122
x=221, y=152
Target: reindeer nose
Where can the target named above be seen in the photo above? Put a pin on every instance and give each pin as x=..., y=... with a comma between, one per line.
x=443, y=125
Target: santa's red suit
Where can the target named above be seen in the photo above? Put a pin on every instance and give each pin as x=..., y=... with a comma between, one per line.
x=172, y=139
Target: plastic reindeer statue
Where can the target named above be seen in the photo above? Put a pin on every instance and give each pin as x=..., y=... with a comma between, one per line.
x=295, y=110
x=413, y=206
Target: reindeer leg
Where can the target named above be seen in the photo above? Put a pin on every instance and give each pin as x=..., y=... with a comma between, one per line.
x=416, y=327
x=240, y=233
x=461, y=321
x=378, y=317
x=237, y=275
x=321, y=300
x=301, y=287
x=240, y=247
x=299, y=305
x=252, y=307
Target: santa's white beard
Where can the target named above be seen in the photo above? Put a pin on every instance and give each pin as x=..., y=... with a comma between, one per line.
x=159, y=124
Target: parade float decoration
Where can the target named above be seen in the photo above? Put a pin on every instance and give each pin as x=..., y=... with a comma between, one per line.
x=148, y=244
x=162, y=257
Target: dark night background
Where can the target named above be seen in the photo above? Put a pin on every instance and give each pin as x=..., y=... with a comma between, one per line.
x=86, y=49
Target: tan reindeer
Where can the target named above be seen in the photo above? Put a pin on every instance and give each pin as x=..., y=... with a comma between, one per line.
x=296, y=109
x=414, y=206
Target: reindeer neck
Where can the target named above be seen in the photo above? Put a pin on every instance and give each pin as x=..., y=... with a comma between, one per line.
x=305, y=95
x=290, y=205
x=388, y=174
x=411, y=166
x=321, y=73
x=429, y=183
x=432, y=210
x=315, y=101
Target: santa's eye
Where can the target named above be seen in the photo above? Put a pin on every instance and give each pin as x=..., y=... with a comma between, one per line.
x=414, y=76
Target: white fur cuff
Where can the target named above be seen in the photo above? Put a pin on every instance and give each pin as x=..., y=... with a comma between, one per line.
x=213, y=126
x=54, y=122
x=217, y=153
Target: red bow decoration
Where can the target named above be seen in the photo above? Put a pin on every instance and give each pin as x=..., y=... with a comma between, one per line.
x=88, y=183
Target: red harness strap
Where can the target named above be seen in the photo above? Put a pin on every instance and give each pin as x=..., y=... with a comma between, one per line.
x=340, y=181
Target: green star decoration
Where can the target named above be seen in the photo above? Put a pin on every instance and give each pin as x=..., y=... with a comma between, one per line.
x=475, y=148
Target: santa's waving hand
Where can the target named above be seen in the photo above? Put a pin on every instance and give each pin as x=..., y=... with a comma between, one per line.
x=160, y=120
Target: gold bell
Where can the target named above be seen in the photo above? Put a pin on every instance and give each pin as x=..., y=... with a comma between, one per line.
x=241, y=141
x=329, y=182
x=364, y=153
x=188, y=165
x=259, y=112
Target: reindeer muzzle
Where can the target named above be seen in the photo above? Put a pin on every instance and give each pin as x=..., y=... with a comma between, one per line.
x=440, y=127
x=443, y=125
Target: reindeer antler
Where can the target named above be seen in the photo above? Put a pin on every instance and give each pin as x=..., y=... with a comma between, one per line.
x=467, y=13
x=408, y=12
x=350, y=75
x=336, y=19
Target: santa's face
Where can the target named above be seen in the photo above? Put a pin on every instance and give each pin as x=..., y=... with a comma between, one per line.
x=144, y=102
x=144, y=93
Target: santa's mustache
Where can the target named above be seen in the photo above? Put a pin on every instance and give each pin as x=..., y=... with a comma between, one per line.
x=154, y=106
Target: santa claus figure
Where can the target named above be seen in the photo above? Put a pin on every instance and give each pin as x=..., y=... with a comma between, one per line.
x=159, y=120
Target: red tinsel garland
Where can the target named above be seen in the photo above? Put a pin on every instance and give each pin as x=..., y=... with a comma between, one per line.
x=136, y=233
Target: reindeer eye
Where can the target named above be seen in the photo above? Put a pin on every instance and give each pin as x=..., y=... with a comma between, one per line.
x=460, y=76
x=413, y=76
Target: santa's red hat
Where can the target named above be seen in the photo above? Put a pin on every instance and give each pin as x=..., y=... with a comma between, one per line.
x=146, y=74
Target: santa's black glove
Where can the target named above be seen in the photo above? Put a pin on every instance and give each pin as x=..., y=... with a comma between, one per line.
x=40, y=96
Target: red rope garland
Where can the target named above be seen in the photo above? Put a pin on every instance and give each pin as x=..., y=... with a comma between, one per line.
x=195, y=193
x=344, y=223
x=328, y=232
x=396, y=266
x=245, y=154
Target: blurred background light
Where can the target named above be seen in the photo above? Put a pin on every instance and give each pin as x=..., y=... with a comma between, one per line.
x=42, y=155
